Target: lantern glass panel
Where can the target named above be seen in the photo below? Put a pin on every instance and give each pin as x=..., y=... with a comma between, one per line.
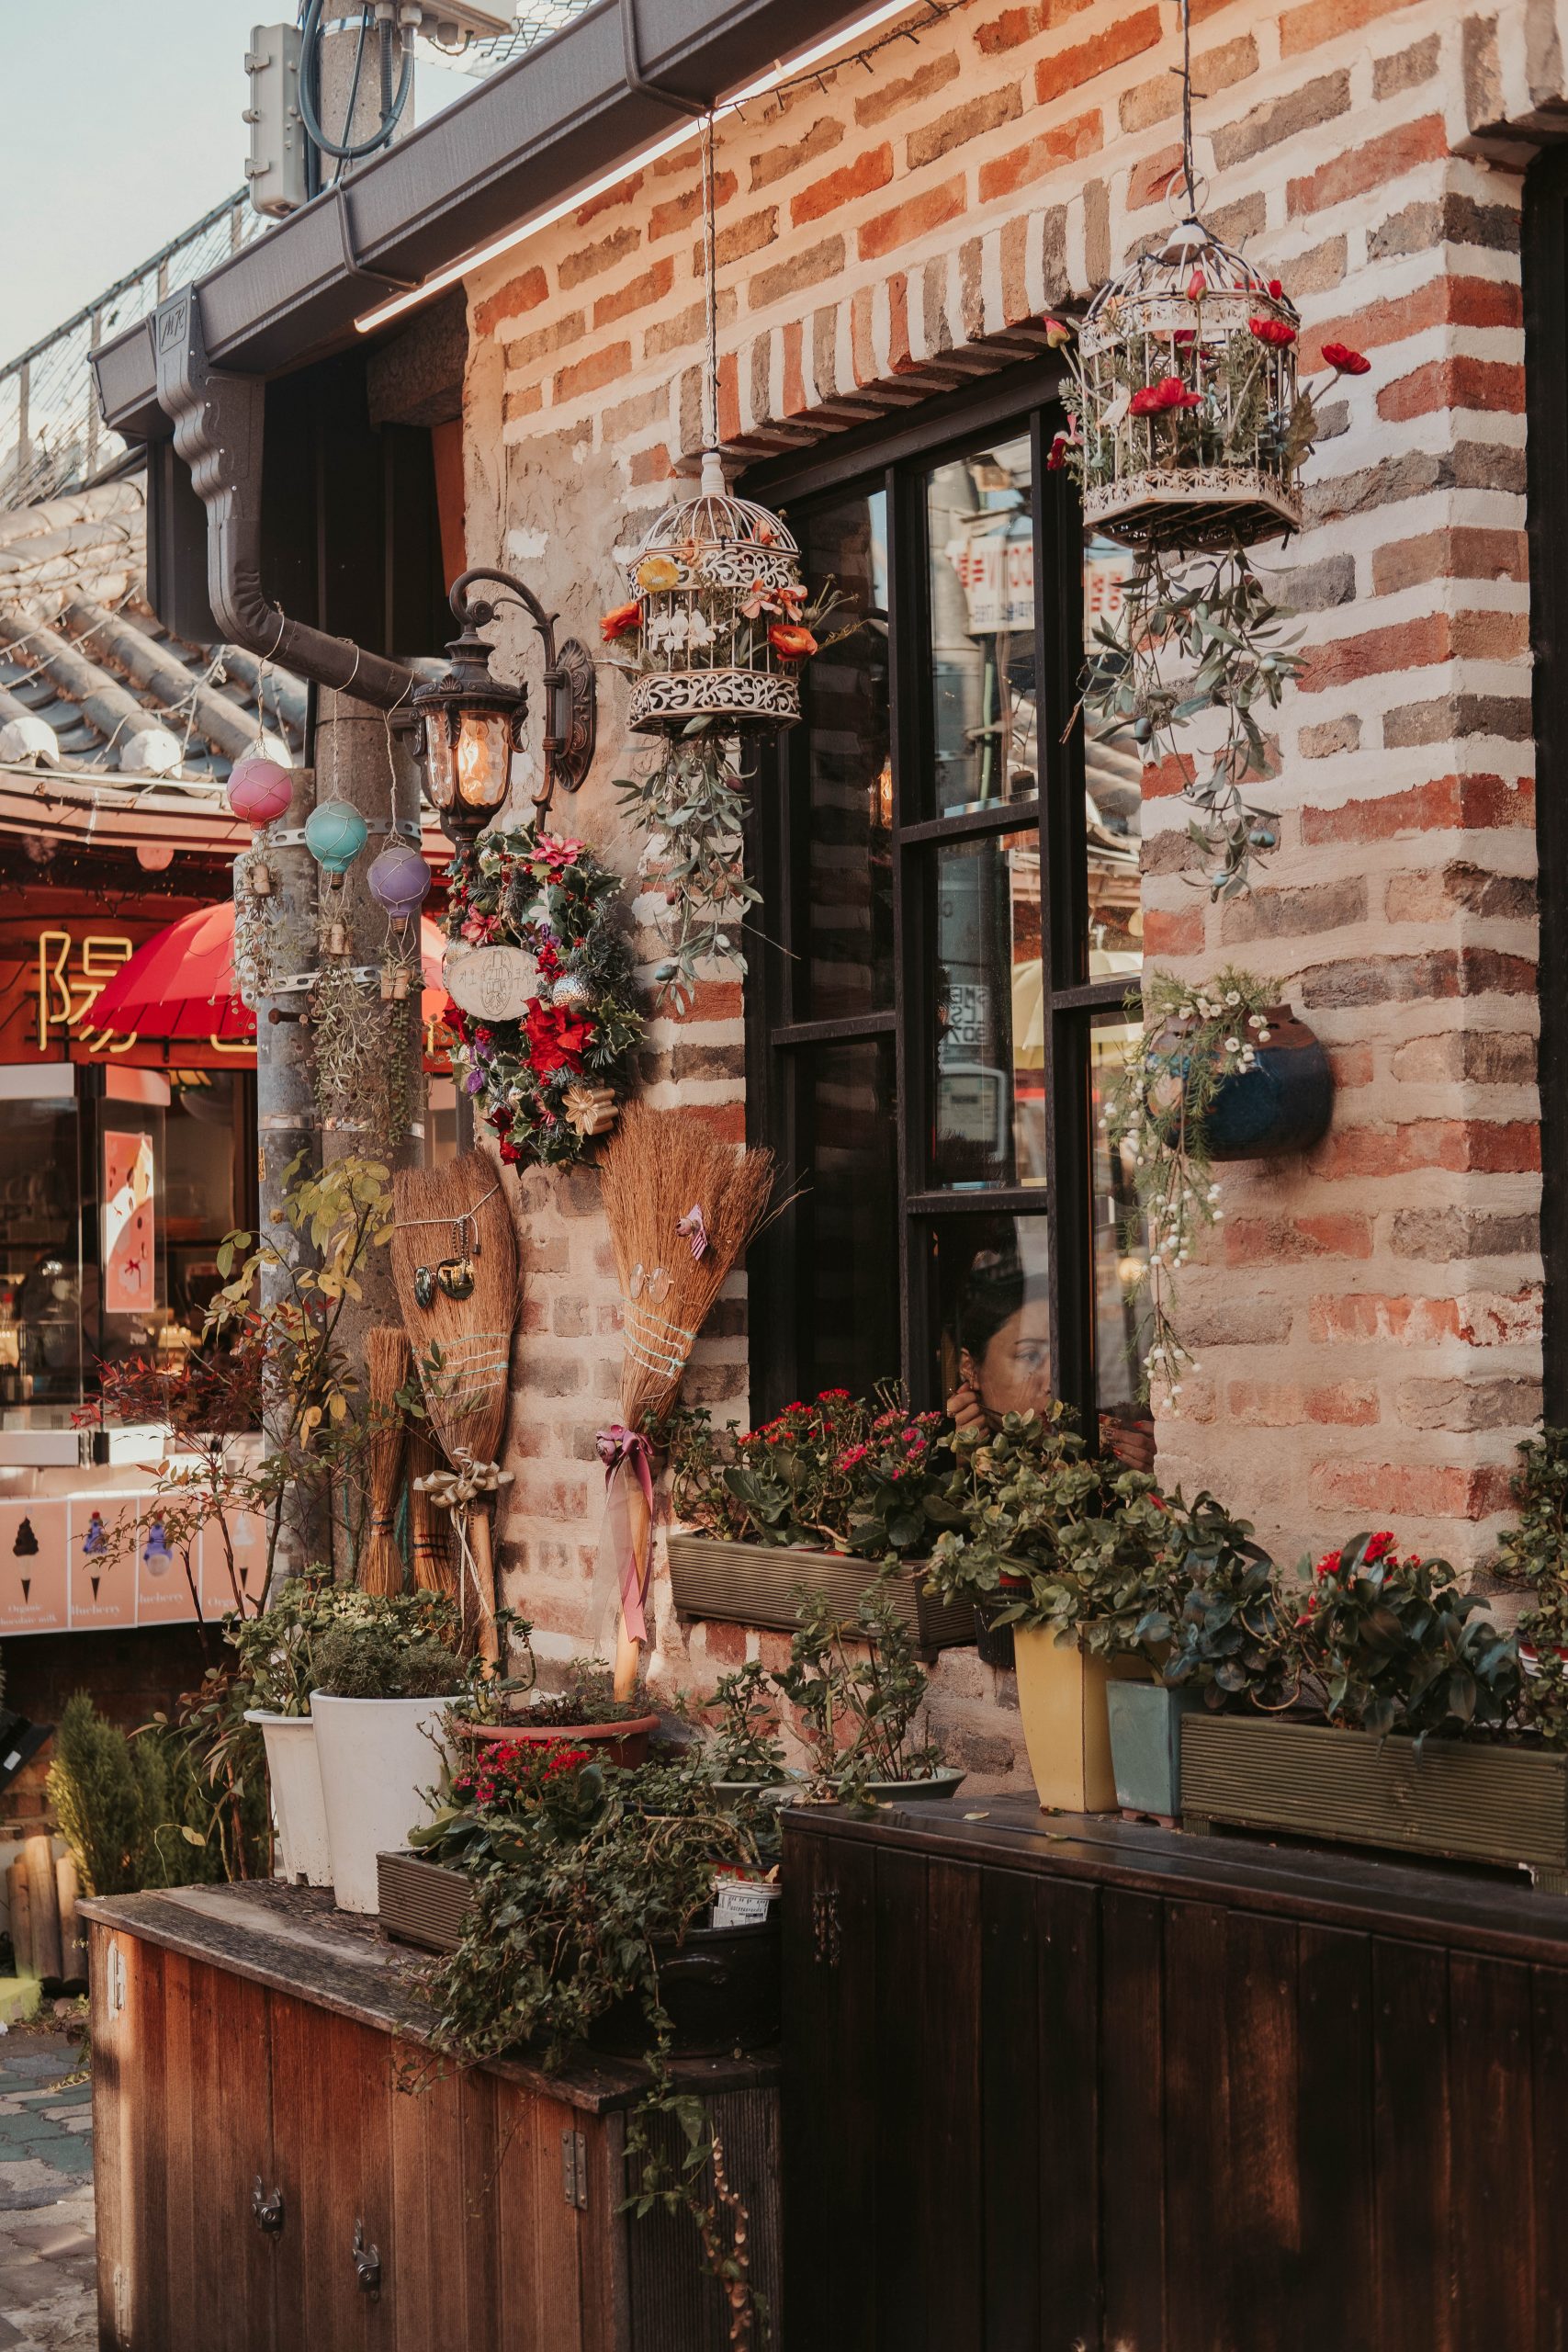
x=439, y=763
x=483, y=758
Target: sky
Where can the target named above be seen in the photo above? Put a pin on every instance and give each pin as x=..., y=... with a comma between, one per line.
x=122, y=126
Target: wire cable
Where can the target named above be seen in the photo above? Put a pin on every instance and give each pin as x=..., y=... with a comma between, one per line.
x=345, y=151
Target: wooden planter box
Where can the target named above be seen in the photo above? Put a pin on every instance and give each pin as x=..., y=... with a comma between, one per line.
x=1475, y=1803
x=753, y=1584
x=422, y=1903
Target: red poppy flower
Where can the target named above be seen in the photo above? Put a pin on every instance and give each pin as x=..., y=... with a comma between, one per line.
x=1275, y=331
x=790, y=643
x=624, y=621
x=1057, y=333
x=1344, y=361
x=1277, y=291
x=1056, y=458
x=1196, y=285
x=1170, y=392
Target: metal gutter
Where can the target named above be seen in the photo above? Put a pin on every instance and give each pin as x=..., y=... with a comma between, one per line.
x=565, y=111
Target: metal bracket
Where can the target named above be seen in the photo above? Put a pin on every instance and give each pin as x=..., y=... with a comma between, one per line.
x=574, y=2170
x=266, y=2210
x=351, y=261
x=403, y=826
x=366, y=2261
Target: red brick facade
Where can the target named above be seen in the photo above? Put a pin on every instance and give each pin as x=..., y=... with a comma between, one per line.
x=895, y=232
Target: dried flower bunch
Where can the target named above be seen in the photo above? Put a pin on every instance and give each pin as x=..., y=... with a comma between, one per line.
x=1194, y=1036
x=1187, y=433
x=539, y=1078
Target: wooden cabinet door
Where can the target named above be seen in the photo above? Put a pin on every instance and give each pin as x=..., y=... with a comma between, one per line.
x=331, y=2091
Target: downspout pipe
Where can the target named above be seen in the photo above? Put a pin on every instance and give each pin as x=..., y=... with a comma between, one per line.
x=217, y=419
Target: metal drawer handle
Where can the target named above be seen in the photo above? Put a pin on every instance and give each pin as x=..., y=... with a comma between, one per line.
x=366, y=2261
x=266, y=2211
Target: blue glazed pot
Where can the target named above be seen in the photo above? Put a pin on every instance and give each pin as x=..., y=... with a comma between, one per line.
x=1145, y=1745
x=1281, y=1105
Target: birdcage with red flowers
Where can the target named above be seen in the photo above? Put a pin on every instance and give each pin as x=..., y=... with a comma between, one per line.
x=1188, y=431
x=718, y=626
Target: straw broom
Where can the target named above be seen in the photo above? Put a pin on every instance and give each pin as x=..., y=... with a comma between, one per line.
x=454, y=1213
x=387, y=1362
x=683, y=1205
x=433, y=1569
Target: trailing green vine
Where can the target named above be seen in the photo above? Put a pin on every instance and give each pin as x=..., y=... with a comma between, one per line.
x=692, y=806
x=1193, y=1037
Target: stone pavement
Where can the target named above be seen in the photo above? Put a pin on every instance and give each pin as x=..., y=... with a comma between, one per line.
x=48, y=2301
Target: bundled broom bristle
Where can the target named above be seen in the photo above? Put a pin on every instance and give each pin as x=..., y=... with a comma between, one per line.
x=386, y=1360
x=466, y=1400
x=434, y=1571
x=658, y=1166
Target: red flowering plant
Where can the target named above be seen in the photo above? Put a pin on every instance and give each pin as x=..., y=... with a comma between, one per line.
x=1393, y=1644
x=535, y=1072
x=840, y=1474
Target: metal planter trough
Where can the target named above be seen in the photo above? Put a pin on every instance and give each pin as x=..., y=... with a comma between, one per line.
x=756, y=1584
x=422, y=1903
x=1469, y=1800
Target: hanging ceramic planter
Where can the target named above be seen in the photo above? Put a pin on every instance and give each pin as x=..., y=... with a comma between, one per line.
x=1280, y=1105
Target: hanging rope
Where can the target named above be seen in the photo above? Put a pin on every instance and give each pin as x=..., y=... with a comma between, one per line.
x=710, y=288
x=1188, y=174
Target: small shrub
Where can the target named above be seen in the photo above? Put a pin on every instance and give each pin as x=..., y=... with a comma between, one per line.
x=378, y=1661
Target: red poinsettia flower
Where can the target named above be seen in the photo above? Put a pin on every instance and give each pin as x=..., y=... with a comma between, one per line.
x=1156, y=400
x=624, y=621
x=549, y=850
x=557, y=1037
x=791, y=643
x=1277, y=332
x=1344, y=361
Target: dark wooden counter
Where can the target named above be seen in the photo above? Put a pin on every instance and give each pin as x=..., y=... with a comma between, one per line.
x=1062, y=2083
x=257, y=2055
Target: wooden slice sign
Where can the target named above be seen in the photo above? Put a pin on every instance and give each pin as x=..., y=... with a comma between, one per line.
x=492, y=983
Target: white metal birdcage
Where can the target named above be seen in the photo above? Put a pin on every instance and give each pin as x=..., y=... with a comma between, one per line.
x=718, y=587
x=1190, y=423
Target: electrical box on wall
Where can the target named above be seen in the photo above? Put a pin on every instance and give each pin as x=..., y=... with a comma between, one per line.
x=276, y=168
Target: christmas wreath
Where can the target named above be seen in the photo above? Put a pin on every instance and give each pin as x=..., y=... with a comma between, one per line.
x=550, y=1079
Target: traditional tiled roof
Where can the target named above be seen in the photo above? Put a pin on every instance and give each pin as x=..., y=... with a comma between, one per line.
x=91, y=685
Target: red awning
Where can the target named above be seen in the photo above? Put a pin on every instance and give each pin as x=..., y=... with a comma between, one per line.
x=181, y=984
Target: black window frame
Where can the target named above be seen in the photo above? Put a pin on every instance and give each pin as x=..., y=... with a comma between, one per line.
x=894, y=457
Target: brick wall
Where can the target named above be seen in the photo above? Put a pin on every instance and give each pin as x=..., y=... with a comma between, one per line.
x=900, y=230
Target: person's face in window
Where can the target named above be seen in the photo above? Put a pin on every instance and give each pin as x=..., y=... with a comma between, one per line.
x=1012, y=1373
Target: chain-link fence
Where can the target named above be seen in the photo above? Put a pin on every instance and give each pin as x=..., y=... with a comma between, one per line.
x=52, y=437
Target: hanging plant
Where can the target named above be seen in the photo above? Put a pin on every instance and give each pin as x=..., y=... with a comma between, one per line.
x=692, y=808
x=1196, y=1040
x=1186, y=433
x=362, y=1052
x=544, y=1001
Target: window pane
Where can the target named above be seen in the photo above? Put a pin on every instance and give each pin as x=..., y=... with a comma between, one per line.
x=850, y=875
x=981, y=541
x=1113, y=806
x=1120, y=1252
x=846, y=1237
x=993, y=1291
x=989, y=1095
x=42, y=1354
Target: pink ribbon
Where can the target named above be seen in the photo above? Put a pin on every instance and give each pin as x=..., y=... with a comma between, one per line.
x=619, y=1448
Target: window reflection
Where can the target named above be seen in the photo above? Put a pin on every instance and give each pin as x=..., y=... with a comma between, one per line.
x=980, y=536
x=990, y=1043
x=1120, y=1249
x=848, y=752
x=1113, y=796
x=994, y=1297
x=848, y=1228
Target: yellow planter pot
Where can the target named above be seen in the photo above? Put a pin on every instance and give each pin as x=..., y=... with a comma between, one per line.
x=1067, y=1724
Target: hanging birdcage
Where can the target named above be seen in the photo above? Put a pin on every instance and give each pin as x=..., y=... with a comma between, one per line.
x=719, y=600
x=1192, y=430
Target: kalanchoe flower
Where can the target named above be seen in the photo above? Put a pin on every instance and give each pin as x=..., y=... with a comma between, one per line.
x=1344, y=361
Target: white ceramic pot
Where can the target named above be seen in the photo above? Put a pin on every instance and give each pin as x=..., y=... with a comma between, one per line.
x=377, y=1757
x=299, y=1816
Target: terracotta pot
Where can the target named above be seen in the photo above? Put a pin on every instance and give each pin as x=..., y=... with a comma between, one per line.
x=1281, y=1105
x=624, y=1742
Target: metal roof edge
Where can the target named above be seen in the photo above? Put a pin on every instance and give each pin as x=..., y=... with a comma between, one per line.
x=565, y=111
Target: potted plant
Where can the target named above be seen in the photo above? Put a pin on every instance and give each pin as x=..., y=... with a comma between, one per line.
x=745, y=1753
x=1416, y=1726
x=1215, y=1071
x=858, y=1689
x=1222, y=1636
x=1071, y=1553
x=274, y=1655
x=384, y=1675
x=587, y=1711
x=826, y=1494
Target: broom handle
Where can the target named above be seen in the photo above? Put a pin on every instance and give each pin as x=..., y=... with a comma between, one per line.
x=484, y=1572
x=639, y=1525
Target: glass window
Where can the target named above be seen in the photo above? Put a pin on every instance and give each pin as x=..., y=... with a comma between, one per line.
x=1122, y=1333
x=41, y=1265
x=980, y=557
x=950, y=929
x=847, y=747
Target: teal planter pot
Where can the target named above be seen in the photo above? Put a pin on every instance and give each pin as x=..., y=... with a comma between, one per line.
x=1145, y=1745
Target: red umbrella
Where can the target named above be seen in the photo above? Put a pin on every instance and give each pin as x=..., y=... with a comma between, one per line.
x=180, y=983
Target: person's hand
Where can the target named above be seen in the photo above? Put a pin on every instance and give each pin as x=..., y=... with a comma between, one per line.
x=1132, y=1443
x=965, y=1411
